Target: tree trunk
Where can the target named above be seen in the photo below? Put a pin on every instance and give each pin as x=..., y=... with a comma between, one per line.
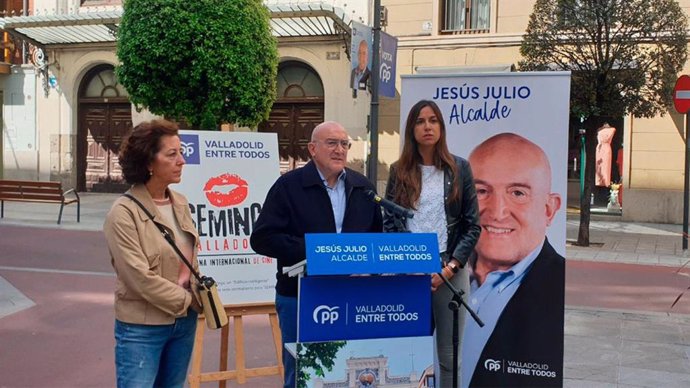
x=591, y=125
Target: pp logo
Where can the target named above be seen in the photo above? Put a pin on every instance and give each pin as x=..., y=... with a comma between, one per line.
x=325, y=314
x=187, y=149
x=385, y=72
x=190, y=148
x=492, y=365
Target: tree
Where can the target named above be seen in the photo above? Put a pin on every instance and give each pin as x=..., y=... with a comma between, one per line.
x=624, y=56
x=207, y=61
x=318, y=356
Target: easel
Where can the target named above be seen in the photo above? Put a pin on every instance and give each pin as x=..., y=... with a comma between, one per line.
x=241, y=372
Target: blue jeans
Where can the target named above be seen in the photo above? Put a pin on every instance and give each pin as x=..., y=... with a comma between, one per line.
x=286, y=306
x=154, y=355
x=443, y=335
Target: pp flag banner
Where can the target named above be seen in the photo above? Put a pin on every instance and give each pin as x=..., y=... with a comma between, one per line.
x=389, y=51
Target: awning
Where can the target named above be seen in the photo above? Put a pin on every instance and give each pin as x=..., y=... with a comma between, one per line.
x=463, y=69
x=288, y=21
x=308, y=20
x=47, y=30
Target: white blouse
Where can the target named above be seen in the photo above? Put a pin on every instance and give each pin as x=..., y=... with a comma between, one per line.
x=430, y=216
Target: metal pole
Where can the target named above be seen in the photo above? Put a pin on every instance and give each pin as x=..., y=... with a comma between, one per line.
x=373, y=164
x=583, y=154
x=686, y=189
x=25, y=49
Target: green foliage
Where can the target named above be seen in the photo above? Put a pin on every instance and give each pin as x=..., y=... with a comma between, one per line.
x=317, y=356
x=209, y=61
x=624, y=56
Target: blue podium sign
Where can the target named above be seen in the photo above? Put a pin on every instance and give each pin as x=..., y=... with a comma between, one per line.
x=371, y=253
x=348, y=308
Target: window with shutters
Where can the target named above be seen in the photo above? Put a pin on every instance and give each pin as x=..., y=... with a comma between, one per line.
x=465, y=16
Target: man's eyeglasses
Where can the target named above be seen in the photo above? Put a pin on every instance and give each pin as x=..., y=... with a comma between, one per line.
x=334, y=143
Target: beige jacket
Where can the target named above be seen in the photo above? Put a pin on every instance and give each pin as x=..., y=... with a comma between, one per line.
x=145, y=263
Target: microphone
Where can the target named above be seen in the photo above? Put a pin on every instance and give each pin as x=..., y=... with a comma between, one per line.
x=389, y=205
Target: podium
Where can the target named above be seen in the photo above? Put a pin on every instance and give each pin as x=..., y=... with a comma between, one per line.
x=365, y=286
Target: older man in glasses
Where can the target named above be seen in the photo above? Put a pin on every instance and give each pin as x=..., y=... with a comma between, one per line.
x=324, y=196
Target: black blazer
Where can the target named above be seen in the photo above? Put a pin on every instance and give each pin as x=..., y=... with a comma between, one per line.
x=298, y=203
x=462, y=216
x=530, y=329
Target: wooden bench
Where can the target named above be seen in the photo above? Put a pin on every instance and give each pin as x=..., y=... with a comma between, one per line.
x=33, y=191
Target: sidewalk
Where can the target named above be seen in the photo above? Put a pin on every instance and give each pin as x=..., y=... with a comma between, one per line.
x=603, y=348
x=625, y=242
x=94, y=208
x=611, y=239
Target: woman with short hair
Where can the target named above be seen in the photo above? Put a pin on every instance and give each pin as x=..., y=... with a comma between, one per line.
x=155, y=308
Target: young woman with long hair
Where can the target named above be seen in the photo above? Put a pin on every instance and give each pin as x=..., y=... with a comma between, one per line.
x=438, y=187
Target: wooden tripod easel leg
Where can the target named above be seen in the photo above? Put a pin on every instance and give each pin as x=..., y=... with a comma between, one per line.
x=224, y=335
x=239, y=350
x=196, y=377
x=275, y=329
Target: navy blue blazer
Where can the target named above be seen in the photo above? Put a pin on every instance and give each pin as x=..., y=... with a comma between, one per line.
x=529, y=332
x=298, y=203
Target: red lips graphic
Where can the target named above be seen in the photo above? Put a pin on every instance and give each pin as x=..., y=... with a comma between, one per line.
x=230, y=198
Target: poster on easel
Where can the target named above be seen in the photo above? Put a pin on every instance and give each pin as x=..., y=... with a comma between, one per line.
x=225, y=179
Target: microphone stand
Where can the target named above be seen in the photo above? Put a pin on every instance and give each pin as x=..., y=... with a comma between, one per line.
x=456, y=301
x=454, y=306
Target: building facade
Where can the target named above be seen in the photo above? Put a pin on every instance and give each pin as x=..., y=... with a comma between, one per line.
x=370, y=372
x=471, y=35
x=64, y=113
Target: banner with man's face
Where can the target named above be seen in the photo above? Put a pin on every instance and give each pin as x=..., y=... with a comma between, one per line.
x=361, y=56
x=513, y=130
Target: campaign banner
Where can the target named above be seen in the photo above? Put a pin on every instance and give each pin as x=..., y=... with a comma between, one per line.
x=477, y=106
x=371, y=253
x=225, y=179
x=513, y=129
x=360, y=55
x=333, y=308
x=389, y=53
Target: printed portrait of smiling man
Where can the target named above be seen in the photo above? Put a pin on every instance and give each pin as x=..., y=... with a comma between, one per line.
x=517, y=278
